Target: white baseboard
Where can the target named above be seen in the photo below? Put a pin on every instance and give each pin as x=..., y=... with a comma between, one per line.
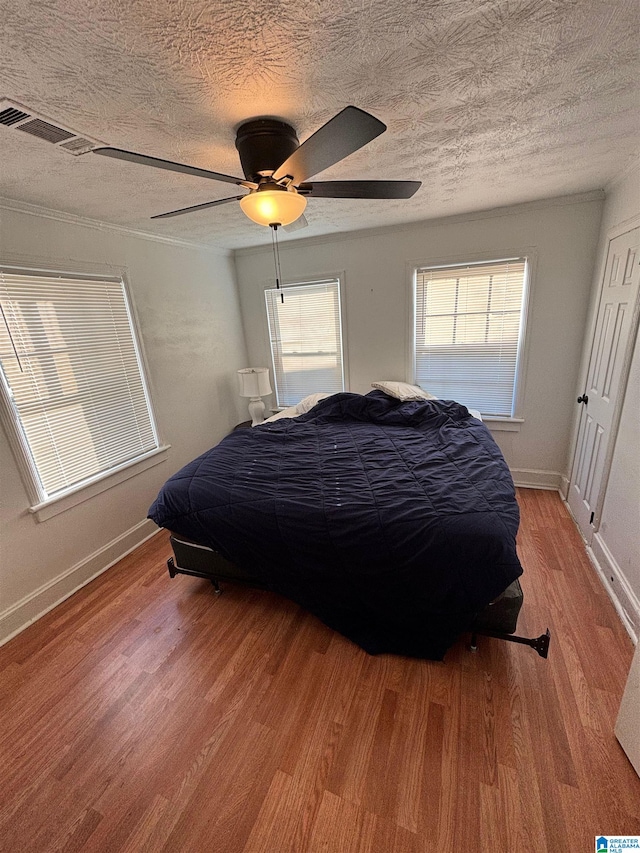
x=617, y=586
x=564, y=487
x=623, y=597
x=531, y=479
x=20, y=615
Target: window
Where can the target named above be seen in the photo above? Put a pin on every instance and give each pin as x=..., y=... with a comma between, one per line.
x=468, y=333
x=71, y=378
x=306, y=339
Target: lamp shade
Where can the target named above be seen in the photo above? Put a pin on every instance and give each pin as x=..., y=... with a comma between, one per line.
x=254, y=382
x=274, y=206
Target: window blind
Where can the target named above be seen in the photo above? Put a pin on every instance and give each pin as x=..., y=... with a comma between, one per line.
x=467, y=333
x=306, y=339
x=72, y=373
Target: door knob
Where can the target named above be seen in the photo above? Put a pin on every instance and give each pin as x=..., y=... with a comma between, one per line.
x=583, y=399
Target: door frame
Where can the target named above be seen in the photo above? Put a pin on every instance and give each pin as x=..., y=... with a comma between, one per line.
x=613, y=233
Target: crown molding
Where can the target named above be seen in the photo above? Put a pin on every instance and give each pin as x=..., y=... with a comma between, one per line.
x=491, y=213
x=15, y=206
x=632, y=165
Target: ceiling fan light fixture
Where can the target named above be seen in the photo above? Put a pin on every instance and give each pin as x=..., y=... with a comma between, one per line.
x=277, y=168
x=273, y=206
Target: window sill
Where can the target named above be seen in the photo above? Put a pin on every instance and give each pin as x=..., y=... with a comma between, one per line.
x=503, y=424
x=60, y=503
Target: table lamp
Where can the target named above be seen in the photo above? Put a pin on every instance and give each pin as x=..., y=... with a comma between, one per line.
x=254, y=383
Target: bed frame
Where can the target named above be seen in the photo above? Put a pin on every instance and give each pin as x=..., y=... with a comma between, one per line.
x=498, y=619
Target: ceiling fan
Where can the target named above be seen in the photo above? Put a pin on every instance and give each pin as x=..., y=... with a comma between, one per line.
x=277, y=167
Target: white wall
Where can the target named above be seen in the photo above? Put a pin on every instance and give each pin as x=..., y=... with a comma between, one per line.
x=186, y=302
x=561, y=236
x=616, y=545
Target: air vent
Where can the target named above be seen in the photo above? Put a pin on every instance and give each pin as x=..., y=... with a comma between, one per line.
x=11, y=116
x=44, y=130
x=78, y=145
x=18, y=117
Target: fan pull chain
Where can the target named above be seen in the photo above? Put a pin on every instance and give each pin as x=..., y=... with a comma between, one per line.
x=276, y=259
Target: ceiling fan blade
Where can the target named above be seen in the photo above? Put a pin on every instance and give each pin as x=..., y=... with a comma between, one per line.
x=360, y=189
x=197, y=207
x=345, y=133
x=300, y=222
x=170, y=166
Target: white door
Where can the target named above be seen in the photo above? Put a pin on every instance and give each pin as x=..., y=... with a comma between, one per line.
x=606, y=378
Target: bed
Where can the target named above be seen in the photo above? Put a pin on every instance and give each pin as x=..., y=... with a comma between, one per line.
x=394, y=521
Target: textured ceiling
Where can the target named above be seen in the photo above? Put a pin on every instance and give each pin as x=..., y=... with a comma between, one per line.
x=487, y=102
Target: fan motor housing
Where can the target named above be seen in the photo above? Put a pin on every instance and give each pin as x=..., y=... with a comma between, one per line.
x=263, y=145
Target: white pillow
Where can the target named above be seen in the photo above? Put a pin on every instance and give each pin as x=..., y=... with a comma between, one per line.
x=302, y=408
x=289, y=412
x=403, y=391
x=310, y=401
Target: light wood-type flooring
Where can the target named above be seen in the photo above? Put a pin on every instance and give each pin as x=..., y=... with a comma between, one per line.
x=147, y=714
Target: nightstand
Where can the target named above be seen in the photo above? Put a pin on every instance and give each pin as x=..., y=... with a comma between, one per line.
x=243, y=425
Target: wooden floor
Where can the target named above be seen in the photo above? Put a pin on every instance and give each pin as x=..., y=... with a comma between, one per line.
x=146, y=714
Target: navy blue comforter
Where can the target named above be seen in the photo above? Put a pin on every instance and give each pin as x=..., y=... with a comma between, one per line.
x=393, y=522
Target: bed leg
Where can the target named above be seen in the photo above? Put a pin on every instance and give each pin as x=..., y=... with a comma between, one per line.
x=539, y=644
x=216, y=586
x=474, y=642
x=171, y=567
